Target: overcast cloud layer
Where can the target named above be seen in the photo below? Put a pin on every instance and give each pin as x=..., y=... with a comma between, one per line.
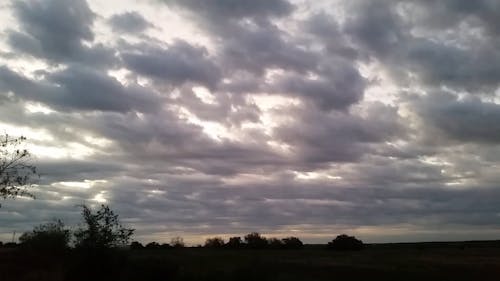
x=308, y=118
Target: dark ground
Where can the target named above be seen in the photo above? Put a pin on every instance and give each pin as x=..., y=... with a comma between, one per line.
x=415, y=261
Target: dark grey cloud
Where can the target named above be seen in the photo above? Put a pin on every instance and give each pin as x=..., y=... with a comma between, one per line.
x=58, y=27
x=221, y=10
x=76, y=88
x=338, y=86
x=225, y=108
x=56, y=31
x=375, y=26
x=474, y=69
x=129, y=22
x=385, y=33
x=263, y=46
x=96, y=56
x=326, y=29
x=338, y=137
x=176, y=63
x=466, y=120
x=445, y=14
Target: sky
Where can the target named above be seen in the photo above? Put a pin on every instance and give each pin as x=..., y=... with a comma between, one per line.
x=191, y=118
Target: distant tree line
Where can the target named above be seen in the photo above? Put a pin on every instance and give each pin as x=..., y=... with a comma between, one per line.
x=255, y=240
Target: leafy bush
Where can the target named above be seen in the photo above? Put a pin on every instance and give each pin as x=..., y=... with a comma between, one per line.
x=136, y=246
x=51, y=236
x=153, y=245
x=344, y=242
x=292, y=243
x=275, y=243
x=255, y=241
x=234, y=243
x=215, y=242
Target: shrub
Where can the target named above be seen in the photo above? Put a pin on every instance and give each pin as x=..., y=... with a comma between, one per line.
x=136, y=246
x=157, y=246
x=255, y=241
x=165, y=246
x=344, y=242
x=275, y=243
x=51, y=236
x=292, y=243
x=215, y=242
x=234, y=243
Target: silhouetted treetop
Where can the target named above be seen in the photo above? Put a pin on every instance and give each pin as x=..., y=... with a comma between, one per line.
x=215, y=242
x=292, y=243
x=101, y=229
x=255, y=241
x=345, y=242
x=234, y=242
x=16, y=170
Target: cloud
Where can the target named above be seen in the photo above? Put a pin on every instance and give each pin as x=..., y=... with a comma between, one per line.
x=263, y=46
x=338, y=136
x=338, y=86
x=56, y=31
x=216, y=10
x=78, y=88
x=176, y=63
x=447, y=14
x=466, y=120
x=385, y=32
x=129, y=22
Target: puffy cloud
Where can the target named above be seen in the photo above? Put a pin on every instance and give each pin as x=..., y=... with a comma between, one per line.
x=58, y=27
x=78, y=88
x=223, y=9
x=58, y=32
x=338, y=137
x=466, y=120
x=177, y=63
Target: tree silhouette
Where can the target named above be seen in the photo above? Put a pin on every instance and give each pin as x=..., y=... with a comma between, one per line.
x=292, y=243
x=16, y=170
x=101, y=229
x=136, y=246
x=215, y=242
x=234, y=243
x=255, y=241
x=275, y=243
x=345, y=242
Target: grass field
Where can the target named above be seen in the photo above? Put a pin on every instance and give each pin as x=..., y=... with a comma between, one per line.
x=424, y=261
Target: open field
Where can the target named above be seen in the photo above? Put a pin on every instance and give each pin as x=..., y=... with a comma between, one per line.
x=424, y=261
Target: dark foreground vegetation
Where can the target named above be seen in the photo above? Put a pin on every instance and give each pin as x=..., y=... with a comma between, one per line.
x=419, y=261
